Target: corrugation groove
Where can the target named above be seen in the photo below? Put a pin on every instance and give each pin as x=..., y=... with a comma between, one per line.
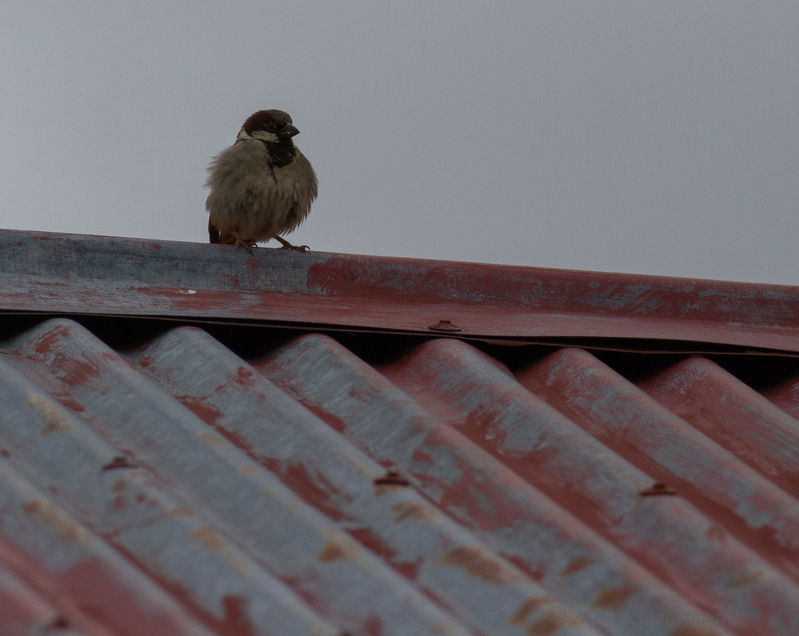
x=666, y=534
x=309, y=490
x=583, y=570
x=331, y=474
x=627, y=420
x=786, y=396
x=22, y=609
x=167, y=540
x=259, y=477
x=707, y=396
x=242, y=502
x=79, y=575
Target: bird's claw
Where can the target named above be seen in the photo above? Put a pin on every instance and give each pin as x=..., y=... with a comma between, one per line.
x=302, y=249
x=285, y=245
x=247, y=245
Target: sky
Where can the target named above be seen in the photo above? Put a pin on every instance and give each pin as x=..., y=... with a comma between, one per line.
x=634, y=136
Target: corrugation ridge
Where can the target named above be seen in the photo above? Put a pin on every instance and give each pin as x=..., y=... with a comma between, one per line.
x=244, y=501
x=709, y=398
x=627, y=420
x=666, y=534
x=210, y=576
x=91, y=586
x=598, y=581
x=331, y=474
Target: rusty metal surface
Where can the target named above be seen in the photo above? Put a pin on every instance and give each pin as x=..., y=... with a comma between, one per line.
x=162, y=478
x=107, y=275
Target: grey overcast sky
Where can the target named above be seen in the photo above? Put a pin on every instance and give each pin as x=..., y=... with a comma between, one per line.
x=635, y=136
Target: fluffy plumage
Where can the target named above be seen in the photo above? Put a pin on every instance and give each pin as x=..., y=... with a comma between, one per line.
x=261, y=186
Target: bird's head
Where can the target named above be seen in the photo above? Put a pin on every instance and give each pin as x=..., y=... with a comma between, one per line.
x=273, y=128
x=269, y=126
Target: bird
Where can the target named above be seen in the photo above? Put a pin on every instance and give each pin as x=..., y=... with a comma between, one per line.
x=262, y=186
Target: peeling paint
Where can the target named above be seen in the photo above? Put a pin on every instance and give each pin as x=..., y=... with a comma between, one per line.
x=55, y=518
x=515, y=505
x=57, y=420
x=475, y=563
x=613, y=598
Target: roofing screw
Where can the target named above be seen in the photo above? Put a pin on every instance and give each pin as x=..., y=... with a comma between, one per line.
x=444, y=325
x=391, y=478
x=120, y=461
x=658, y=488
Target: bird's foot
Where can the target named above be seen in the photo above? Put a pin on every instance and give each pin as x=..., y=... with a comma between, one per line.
x=302, y=249
x=246, y=244
x=285, y=245
x=231, y=238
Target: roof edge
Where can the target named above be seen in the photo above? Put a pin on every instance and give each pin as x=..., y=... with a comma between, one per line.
x=98, y=275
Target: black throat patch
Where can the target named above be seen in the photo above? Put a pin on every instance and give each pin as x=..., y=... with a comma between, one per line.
x=281, y=153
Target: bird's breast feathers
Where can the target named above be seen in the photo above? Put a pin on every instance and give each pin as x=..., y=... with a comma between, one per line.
x=258, y=198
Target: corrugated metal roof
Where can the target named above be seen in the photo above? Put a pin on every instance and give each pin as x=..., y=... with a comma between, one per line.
x=194, y=440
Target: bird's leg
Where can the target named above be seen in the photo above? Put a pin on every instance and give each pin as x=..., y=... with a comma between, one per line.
x=234, y=238
x=247, y=244
x=213, y=233
x=288, y=246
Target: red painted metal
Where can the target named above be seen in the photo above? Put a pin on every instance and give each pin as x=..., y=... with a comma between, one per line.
x=21, y=608
x=78, y=580
x=481, y=492
x=764, y=436
x=786, y=396
x=392, y=520
x=171, y=443
x=250, y=480
x=735, y=500
x=103, y=275
x=487, y=404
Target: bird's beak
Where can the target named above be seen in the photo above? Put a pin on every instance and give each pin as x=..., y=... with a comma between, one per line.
x=289, y=131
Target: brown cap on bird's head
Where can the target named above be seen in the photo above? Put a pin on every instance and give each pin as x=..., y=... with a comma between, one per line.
x=277, y=122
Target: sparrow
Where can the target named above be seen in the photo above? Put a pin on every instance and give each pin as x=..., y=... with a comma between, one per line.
x=262, y=186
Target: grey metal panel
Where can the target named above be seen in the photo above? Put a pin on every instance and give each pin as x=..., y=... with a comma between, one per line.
x=668, y=535
x=496, y=503
x=334, y=476
x=117, y=500
x=241, y=500
x=89, y=584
